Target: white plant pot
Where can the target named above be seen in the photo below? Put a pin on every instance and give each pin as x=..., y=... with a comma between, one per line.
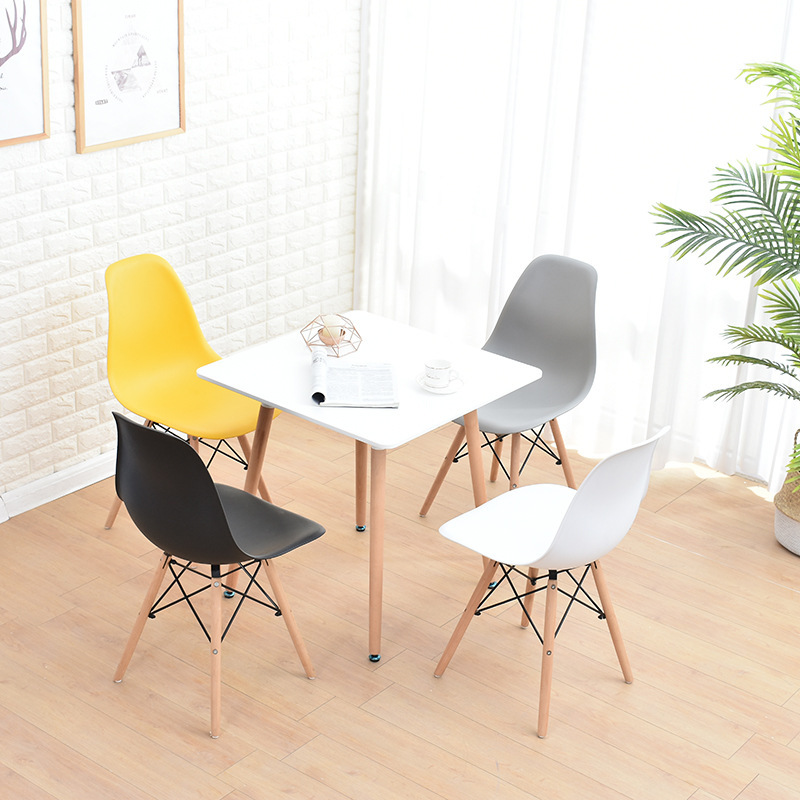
x=787, y=531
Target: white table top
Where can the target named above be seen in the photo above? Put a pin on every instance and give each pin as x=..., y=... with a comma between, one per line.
x=278, y=374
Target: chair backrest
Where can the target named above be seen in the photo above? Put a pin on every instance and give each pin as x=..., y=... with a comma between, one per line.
x=604, y=507
x=170, y=495
x=548, y=321
x=152, y=327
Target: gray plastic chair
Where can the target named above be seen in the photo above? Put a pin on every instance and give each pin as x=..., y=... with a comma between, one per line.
x=174, y=502
x=547, y=321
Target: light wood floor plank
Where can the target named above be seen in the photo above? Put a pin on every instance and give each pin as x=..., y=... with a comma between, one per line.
x=100, y=736
x=18, y=787
x=258, y=777
x=363, y=777
x=515, y=718
x=730, y=713
x=55, y=768
x=426, y=769
x=527, y=768
x=781, y=765
x=763, y=788
x=707, y=602
x=64, y=662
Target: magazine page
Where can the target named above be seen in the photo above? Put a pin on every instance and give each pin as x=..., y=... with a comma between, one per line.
x=334, y=383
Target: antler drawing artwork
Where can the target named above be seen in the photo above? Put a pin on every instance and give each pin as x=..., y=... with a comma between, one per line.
x=19, y=33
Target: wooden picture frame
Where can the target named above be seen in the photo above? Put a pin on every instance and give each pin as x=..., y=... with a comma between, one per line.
x=24, y=80
x=129, y=71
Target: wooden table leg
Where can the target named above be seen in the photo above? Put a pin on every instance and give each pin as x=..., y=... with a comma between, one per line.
x=362, y=469
x=377, y=515
x=254, y=467
x=262, y=485
x=260, y=439
x=475, y=459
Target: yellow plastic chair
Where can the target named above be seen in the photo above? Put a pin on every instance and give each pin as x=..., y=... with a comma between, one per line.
x=155, y=346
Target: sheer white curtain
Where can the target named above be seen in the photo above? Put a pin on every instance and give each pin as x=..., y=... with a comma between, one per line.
x=495, y=131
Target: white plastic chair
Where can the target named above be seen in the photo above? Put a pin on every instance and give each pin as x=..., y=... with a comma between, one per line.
x=547, y=321
x=557, y=530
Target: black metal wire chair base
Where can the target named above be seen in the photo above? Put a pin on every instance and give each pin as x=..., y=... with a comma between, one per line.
x=222, y=447
x=575, y=592
x=179, y=568
x=535, y=440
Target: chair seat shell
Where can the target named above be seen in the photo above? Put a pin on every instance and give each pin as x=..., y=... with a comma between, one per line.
x=249, y=517
x=176, y=398
x=155, y=347
x=505, y=530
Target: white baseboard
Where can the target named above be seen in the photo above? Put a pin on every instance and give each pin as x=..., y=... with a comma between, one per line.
x=17, y=501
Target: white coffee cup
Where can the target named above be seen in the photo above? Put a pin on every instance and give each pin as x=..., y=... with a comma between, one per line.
x=439, y=373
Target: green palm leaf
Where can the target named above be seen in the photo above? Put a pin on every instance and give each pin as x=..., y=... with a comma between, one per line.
x=743, y=246
x=785, y=80
x=744, y=335
x=763, y=386
x=741, y=358
x=794, y=463
x=782, y=303
x=785, y=146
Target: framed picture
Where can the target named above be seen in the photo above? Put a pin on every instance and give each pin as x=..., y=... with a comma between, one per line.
x=129, y=78
x=24, y=96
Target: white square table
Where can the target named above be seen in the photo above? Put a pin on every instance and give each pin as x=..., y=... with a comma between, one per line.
x=278, y=375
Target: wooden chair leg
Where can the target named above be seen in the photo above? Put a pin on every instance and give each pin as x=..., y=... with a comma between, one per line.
x=442, y=473
x=143, y=616
x=116, y=505
x=516, y=459
x=563, y=457
x=262, y=486
x=362, y=484
x=215, y=642
x=548, y=647
x=469, y=612
x=288, y=618
x=533, y=574
x=498, y=454
x=611, y=619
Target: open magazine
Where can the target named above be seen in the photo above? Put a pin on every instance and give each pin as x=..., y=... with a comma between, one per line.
x=334, y=383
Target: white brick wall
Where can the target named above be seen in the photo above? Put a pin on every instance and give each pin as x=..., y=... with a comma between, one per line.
x=253, y=205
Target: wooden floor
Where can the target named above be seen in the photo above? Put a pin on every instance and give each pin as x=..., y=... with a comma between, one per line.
x=709, y=605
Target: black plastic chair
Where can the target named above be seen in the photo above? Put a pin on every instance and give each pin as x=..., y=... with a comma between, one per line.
x=174, y=502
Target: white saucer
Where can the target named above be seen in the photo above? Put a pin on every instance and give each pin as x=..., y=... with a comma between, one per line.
x=451, y=387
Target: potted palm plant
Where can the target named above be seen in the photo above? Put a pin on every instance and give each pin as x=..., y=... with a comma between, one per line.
x=756, y=232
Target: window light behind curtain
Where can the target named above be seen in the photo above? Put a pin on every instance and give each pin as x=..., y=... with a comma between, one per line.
x=495, y=131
